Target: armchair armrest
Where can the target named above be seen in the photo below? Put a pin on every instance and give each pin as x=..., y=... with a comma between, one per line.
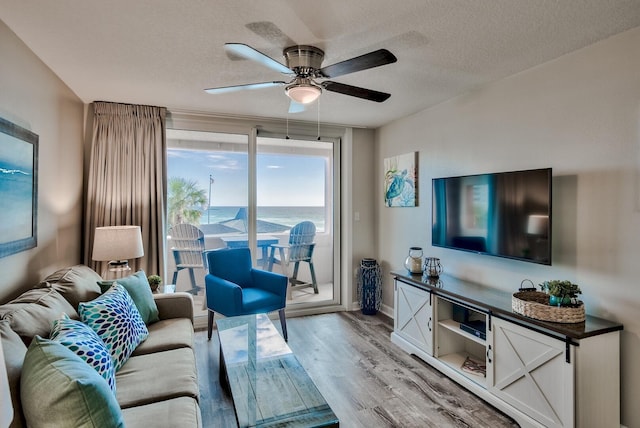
x=270, y=281
x=223, y=296
x=174, y=305
x=279, y=245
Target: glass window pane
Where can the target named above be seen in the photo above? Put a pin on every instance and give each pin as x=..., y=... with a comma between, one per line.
x=207, y=177
x=294, y=186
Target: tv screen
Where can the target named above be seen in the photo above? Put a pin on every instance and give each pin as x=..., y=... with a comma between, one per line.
x=506, y=214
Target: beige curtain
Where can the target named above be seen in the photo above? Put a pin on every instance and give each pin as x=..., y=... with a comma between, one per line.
x=127, y=178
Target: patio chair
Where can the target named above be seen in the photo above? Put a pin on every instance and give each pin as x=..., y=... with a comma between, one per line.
x=300, y=249
x=187, y=246
x=235, y=288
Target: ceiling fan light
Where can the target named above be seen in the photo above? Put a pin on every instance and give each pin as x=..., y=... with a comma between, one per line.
x=304, y=93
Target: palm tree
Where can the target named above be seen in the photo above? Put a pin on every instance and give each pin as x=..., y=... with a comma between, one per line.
x=186, y=202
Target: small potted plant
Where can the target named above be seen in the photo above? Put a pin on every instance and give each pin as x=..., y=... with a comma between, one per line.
x=561, y=292
x=154, y=282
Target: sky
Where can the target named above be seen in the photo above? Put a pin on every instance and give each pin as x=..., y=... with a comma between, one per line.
x=283, y=180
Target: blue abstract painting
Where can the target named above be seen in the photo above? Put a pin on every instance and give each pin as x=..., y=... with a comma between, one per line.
x=401, y=180
x=18, y=188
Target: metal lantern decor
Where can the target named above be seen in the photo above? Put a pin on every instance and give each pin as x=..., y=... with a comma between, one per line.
x=369, y=286
x=432, y=267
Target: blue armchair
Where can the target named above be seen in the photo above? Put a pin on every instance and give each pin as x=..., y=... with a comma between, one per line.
x=235, y=288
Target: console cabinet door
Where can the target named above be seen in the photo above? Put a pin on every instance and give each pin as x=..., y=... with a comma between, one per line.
x=529, y=370
x=413, y=318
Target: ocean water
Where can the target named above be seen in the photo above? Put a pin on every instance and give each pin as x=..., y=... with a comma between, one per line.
x=288, y=216
x=16, y=186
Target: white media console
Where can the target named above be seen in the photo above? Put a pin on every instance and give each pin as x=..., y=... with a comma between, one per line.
x=542, y=374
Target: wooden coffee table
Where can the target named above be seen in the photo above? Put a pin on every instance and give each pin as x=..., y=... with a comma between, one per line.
x=268, y=385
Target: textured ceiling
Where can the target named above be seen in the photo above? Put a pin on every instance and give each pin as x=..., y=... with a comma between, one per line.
x=165, y=52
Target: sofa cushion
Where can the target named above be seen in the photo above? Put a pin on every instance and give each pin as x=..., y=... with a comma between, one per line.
x=14, y=351
x=34, y=311
x=138, y=287
x=86, y=344
x=58, y=389
x=176, y=412
x=117, y=321
x=167, y=334
x=159, y=376
x=76, y=283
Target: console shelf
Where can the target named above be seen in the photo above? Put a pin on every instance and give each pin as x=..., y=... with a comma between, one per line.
x=456, y=360
x=454, y=326
x=576, y=367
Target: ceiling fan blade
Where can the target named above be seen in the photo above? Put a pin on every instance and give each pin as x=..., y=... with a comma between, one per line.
x=295, y=107
x=354, y=91
x=359, y=63
x=228, y=89
x=247, y=52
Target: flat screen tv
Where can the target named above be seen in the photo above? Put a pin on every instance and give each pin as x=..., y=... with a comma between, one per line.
x=505, y=214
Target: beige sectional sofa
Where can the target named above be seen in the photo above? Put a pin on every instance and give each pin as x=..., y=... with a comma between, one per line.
x=156, y=387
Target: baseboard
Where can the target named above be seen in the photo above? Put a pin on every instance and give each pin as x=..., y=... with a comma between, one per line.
x=387, y=310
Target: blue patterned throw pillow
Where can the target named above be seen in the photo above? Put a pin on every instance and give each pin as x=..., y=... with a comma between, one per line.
x=86, y=344
x=115, y=318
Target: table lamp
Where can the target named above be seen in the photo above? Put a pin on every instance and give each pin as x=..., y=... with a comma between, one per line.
x=6, y=408
x=116, y=245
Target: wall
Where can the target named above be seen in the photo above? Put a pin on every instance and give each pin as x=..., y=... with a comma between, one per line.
x=32, y=96
x=362, y=197
x=580, y=115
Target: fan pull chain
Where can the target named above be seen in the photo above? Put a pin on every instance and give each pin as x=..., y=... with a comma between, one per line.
x=318, y=119
x=287, y=136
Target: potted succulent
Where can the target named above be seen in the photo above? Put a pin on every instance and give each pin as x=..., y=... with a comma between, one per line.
x=154, y=282
x=561, y=292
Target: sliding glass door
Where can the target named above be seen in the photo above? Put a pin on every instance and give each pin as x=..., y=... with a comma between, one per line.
x=295, y=190
x=243, y=190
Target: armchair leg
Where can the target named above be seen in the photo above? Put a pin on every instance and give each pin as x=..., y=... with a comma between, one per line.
x=210, y=324
x=283, y=323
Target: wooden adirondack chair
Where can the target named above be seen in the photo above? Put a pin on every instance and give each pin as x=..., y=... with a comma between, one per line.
x=187, y=246
x=299, y=249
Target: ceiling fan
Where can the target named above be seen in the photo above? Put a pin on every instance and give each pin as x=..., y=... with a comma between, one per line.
x=304, y=65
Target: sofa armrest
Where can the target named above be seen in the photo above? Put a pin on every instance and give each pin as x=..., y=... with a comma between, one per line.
x=174, y=305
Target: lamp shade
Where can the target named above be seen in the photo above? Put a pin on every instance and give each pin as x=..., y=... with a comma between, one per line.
x=303, y=93
x=117, y=243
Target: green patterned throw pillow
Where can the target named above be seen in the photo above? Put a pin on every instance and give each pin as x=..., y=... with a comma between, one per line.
x=117, y=321
x=86, y=344
x=58, y=389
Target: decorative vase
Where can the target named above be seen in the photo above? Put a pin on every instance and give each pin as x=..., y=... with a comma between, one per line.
x=369, y=286
x=559, y=301
x=432, y=267
x=413, y=262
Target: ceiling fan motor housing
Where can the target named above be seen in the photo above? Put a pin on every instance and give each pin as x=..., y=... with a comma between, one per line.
x=304, y=60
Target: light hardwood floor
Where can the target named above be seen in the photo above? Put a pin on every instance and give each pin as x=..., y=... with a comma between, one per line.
x=367, y=380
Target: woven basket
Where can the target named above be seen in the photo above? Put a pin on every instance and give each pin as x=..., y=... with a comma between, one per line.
x=534, y=304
